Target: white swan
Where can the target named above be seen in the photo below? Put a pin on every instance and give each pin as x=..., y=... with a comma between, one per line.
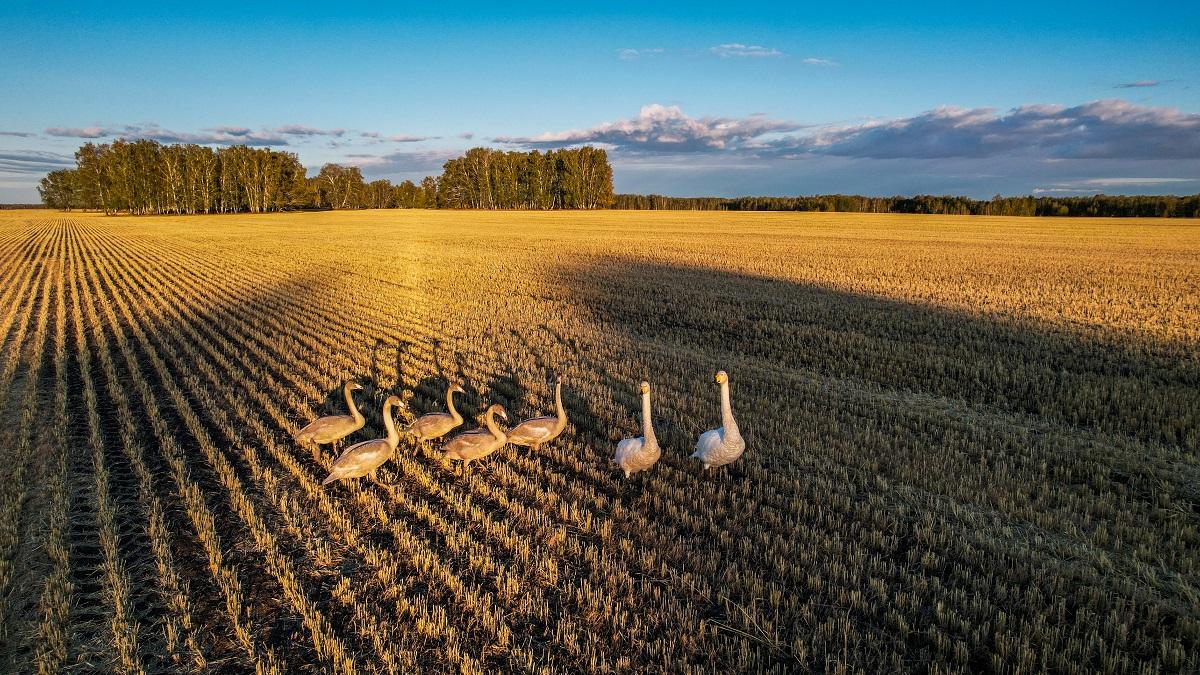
x=334, y=427
x=723, y=445
x=435, y=425
x=639, y=454
x=533, y=433
x=361, y=459
x=477, y=444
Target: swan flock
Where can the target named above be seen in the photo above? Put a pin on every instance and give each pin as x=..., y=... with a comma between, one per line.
x=714, y=448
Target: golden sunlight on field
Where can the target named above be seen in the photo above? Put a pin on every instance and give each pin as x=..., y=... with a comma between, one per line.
x=971, y=443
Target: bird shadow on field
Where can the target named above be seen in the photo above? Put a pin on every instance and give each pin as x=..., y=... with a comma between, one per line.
x=504, y=387
x=580, y=413
x=796, y=351
x=429, y=392
x=373, y=390
x=530, y=374
x=237, y=320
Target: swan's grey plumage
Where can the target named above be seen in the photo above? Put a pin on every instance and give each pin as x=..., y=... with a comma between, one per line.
x=723, y=445
x=534, y=432
x=639, y=454
x=334, y=427
x=435, y=425
x=477, y=444
x=361, y=459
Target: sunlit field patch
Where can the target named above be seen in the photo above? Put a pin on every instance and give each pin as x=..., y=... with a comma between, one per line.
x=971, y=443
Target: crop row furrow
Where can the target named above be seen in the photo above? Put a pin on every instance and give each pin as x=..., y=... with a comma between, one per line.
x=263, y=657
x=310, y=484
x=326, y=643
x=453, y=501
x=55, y=630
x=450, y=498
x=178, y=627
x=23, y=447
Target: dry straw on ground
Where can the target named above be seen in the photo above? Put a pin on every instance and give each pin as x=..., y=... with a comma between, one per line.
x=972, y=443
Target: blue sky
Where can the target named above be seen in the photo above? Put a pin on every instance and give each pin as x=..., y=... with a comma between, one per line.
x=713, y=99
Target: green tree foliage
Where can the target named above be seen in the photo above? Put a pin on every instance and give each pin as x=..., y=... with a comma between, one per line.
x=58, y=190
x=143, y=176
x=574, y=178
x=1166, y=206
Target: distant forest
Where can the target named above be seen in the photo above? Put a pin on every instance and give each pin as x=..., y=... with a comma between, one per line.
x=146, y=177
x=1165, y=206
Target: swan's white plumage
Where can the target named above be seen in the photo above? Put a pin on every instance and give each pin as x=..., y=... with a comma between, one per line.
x=709, y=441
x=723, y=445
x=714, y=449
x=363, y=458
x=334, y=428
x=635, y=455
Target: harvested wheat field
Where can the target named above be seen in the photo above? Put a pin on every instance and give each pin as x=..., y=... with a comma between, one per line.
x=971, y=443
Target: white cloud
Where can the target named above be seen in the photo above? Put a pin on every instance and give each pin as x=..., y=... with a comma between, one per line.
x=83, y=132
x=302, y=130
x=1110, y=129
x=1094, y=185
x=34, y=162
x=423, y=161
x=631, y=54
x=737, y=50
x=225, y=135
x=659, y=128
x=818, y=61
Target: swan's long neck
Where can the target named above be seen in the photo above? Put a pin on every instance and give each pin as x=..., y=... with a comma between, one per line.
x=393, y=436
x=450, y=406
x=647, y=424
x=490, y=421
x=350, y=404
x=558, y=406
x=727, y=421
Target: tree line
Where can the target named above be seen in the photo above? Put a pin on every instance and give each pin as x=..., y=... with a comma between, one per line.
x=1161, y=206
x=146, y=177
x=574, y=178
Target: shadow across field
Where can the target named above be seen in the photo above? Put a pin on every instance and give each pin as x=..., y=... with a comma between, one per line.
x=1107, y=383
x=680, y=324
x=1021, y=417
